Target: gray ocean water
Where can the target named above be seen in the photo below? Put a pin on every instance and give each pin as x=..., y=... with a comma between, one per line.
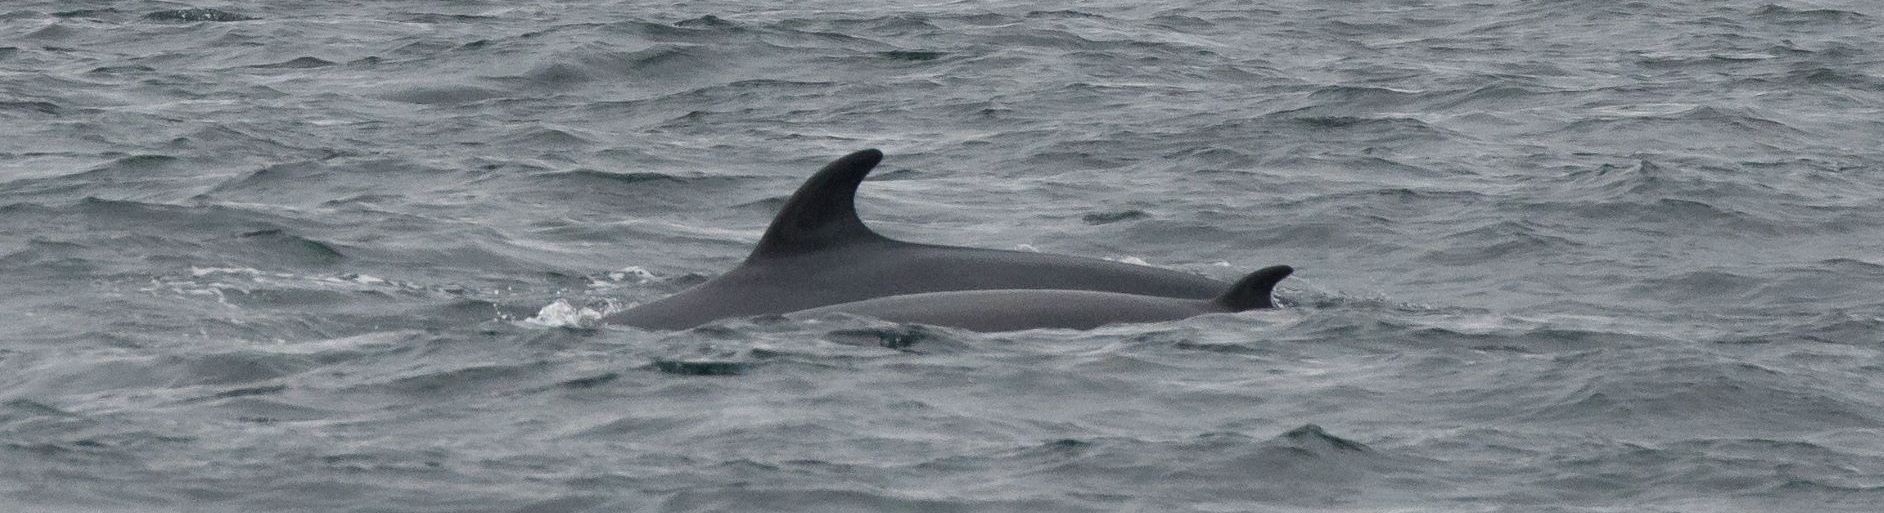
x=1554, y=255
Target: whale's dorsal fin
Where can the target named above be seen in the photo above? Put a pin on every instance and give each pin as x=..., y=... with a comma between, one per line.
x=823, y=213
x=1253, y=291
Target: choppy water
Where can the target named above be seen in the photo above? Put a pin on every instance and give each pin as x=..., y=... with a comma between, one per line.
x=334, y=256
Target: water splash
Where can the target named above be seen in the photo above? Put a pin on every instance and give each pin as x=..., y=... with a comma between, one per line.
x=563, y=314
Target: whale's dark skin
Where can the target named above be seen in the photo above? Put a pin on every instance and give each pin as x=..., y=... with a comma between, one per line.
x=1011, y=310
x=817, y=252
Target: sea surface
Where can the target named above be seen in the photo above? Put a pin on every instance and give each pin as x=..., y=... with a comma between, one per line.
x=1553, y=255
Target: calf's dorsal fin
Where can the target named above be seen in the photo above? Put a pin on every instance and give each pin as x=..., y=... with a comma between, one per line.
x=1253, y=291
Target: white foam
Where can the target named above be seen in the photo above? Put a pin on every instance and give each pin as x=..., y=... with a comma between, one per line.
x=639, y=274
x=1130, y=260
x=563, y=314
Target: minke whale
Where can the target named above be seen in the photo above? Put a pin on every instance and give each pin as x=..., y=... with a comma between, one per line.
x=1012, y=310
x=817, y=252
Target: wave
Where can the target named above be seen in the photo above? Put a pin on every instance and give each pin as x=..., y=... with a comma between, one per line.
x=302, y=62
x=1700, y=399
x=661, y=63
x=444, y=94
x=137, y=176
x=1814, y=18
x=200, y=14
x=1666, y=127
x=1503, y=240
x=313, y=182
x=1303, y=466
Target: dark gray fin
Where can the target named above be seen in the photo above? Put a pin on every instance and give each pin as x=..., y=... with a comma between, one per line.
x=1252, y=292
x=823, y=213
